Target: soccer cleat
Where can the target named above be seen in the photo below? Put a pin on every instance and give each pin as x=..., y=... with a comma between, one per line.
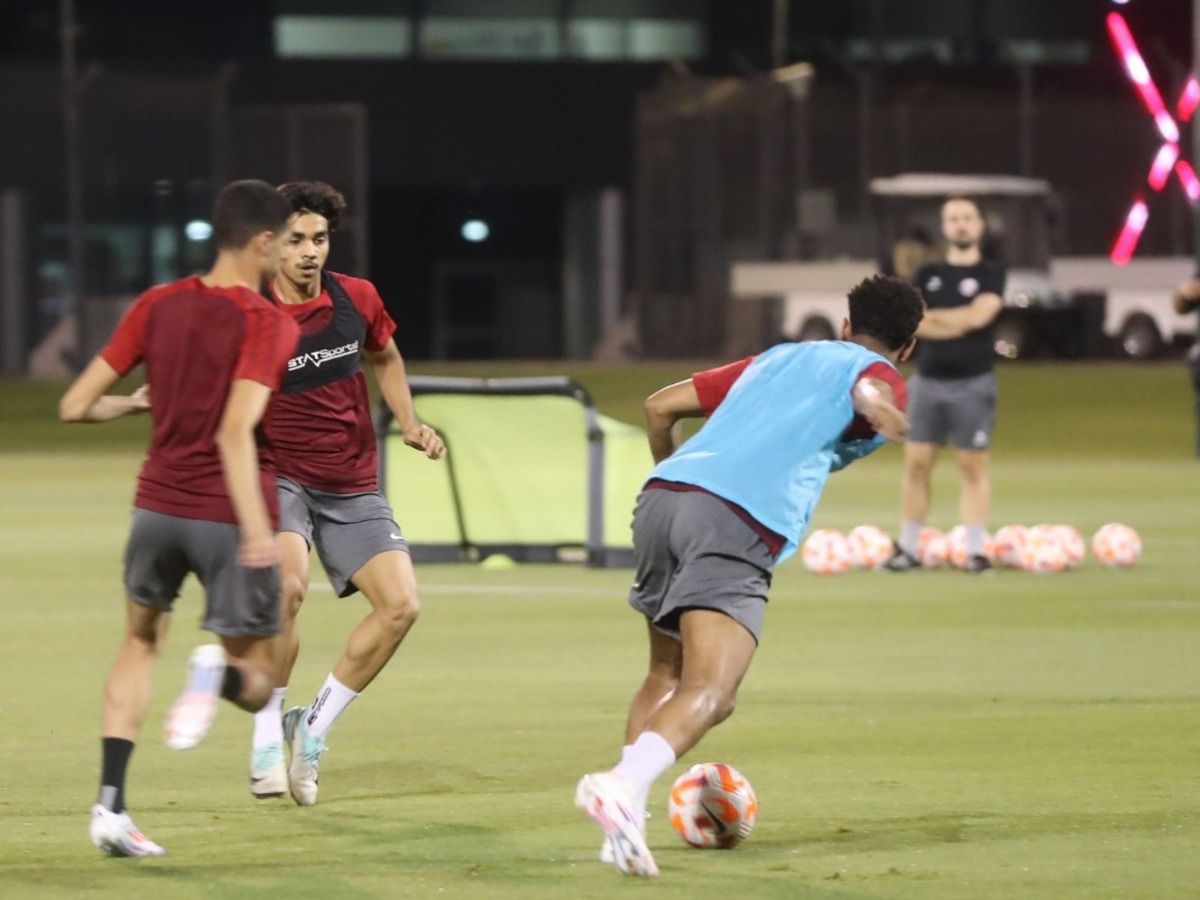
x=268, y=772
x=608, y=799
x=116, y=835
x=194, y=712
x=606, y=849
x=902, y=561
x=978, y=564
x=306, y=756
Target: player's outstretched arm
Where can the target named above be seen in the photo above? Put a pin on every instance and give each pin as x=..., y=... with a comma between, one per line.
x=239, y=460
x=1187, y=296
x=392, y=377
x=86, y=400
x=874, y=401
x=947, y=324
x=664, y=409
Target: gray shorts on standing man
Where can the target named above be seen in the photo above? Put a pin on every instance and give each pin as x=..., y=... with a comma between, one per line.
x=961, y=411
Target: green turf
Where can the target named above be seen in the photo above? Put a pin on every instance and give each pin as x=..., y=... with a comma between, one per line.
x=922, y=736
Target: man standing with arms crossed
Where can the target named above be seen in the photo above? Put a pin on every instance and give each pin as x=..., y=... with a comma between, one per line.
x=953, y=397
x=214, y=350
x=322, y=431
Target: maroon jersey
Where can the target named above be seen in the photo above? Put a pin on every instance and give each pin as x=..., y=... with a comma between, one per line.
x=323, y=437
x=196, y=341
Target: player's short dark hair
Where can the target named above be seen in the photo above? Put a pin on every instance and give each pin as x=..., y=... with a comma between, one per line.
x=887, y=309
x=316, y=197
x=243, y=209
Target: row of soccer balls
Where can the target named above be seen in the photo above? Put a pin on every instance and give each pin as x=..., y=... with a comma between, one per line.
x=1041, y=548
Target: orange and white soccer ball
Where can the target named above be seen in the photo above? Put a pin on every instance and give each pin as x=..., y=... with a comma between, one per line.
x=1117, y=546
x=826, y=552
x=1074, y=548
x=956, y=544
x=1008, y=545
x=1043, y=550
x=932, y=550
x=712, y=806
x=870, y=547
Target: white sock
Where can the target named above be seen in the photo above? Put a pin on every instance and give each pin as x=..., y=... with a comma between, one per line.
x=910, y=537
x=975, y=535
x=643, y=761
x=331, y=700
x=268, y=721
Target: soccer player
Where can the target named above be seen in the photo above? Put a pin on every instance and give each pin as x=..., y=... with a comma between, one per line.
x=954, y=393
x=321, y=430
x=718, y=513
x=214, y=350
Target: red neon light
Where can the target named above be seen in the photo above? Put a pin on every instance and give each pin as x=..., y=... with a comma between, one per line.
x=1135, y=222
x=1187, y=177
x=1139, y=74
x=1188, y=100
x=1160, y=170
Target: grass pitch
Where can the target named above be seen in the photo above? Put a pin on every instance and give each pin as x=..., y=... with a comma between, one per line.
x=921, y=736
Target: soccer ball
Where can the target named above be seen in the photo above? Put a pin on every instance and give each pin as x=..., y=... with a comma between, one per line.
x=1117, y=546
x=956, y=543
x=932, y=551
x=1043, y=550
x=1008, y=546
x=1074, y=549
x=712, y=806
x=826, y=552
x=870, y=547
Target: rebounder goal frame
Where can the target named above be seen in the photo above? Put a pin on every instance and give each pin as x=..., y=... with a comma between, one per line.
x=590, y=548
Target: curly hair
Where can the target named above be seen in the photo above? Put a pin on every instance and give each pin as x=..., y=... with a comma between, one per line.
x=886, y=309
x=315, y=197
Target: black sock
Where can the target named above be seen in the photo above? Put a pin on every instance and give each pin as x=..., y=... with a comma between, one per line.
x=231, y=687
x=114, y=762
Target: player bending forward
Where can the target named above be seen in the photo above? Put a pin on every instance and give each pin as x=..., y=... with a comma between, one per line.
x=321, y=431
x=214, y=350
x=720, y=511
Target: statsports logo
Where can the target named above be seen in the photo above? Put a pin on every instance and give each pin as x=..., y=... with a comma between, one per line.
x=318, y=358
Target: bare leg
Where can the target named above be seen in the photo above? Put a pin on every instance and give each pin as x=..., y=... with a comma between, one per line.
x=127, y=693
x=254, y=659
x=915, y=494
x=389, y=583
x=666, y=662
x=293, y=574
x=976, y=500
x=716, y=655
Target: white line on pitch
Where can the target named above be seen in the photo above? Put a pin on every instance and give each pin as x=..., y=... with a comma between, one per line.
x=521, y=590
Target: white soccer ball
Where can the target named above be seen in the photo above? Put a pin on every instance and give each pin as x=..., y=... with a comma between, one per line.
x=1074, y=548
x=956, y=543
x=712, y=806
x=1117, y=546
x=870, y=547
x=1008, y=545
x=826, y=552
x=932, y=549
x=1043, y=550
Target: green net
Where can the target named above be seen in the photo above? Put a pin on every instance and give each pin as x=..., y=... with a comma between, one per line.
x=516, y=473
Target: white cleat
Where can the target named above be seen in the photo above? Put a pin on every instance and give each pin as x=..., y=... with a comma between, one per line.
x=194, y=712
x=608, y=799
x=607, y=855
x=268, y=772
x=306, y=756
x=116, y=835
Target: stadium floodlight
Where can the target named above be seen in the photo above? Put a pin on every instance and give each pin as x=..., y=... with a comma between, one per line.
x=1167, y=158
x=475, y=230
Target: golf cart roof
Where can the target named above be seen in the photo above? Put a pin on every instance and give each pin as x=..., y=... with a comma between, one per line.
x=923, y=184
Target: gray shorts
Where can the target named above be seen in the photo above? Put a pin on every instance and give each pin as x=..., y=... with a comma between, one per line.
x=163, y=549
x=693, y=552
x=349, y=530
x=961, y=411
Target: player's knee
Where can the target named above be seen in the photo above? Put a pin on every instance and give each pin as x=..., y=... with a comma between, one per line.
x=715, y=703
x=294, y=590
x=401, y=612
